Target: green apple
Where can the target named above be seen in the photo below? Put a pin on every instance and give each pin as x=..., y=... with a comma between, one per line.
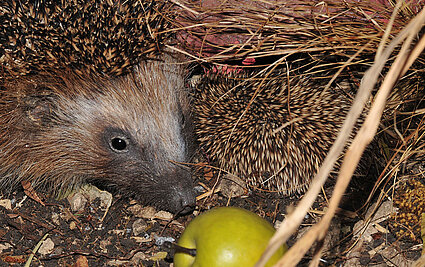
x=226, y=236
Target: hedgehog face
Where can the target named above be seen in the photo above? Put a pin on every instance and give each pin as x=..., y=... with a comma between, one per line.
x=125, y=133
x=135, y=128
x=144, y=169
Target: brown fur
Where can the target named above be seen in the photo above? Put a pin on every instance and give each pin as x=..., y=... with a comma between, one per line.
x=56, y=131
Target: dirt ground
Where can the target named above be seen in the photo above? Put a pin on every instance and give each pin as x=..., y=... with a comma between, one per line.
x=94, y=228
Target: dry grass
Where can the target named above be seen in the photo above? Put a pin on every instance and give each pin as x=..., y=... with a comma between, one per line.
x=334, y=38
x=218, y=30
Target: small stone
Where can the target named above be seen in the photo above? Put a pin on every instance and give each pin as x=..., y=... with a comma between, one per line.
x=72, y=225
x=47, y=247
x=6, y=203
x=160, y=240
x=135, y=209
x=163, y=215
x=139, y=226
x=4, y=246
x=77, y=202
x=55, y=218
x=232, y=186
x=141, y=212
x=149, y=213
x=88, y=193
x=93, y=192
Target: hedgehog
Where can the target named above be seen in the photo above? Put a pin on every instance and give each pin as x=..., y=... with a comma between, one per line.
x=108, y=37
x=87, y=97
x=60, y=129
x=276, y=142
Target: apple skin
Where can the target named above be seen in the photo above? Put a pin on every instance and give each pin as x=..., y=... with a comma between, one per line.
x=226, y=236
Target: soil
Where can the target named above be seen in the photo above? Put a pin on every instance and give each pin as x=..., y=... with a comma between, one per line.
x=89, y=229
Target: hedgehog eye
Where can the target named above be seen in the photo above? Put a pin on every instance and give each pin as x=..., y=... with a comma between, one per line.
x=119, y=144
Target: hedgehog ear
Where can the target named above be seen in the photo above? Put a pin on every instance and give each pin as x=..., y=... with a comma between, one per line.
x=39, y=108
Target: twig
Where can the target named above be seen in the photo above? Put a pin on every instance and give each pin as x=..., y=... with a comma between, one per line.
x=366, y=133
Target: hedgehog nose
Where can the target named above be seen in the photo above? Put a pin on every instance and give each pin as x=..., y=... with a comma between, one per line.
x=184, y=200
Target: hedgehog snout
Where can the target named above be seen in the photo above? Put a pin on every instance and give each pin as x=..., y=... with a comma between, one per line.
x=182, y=194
